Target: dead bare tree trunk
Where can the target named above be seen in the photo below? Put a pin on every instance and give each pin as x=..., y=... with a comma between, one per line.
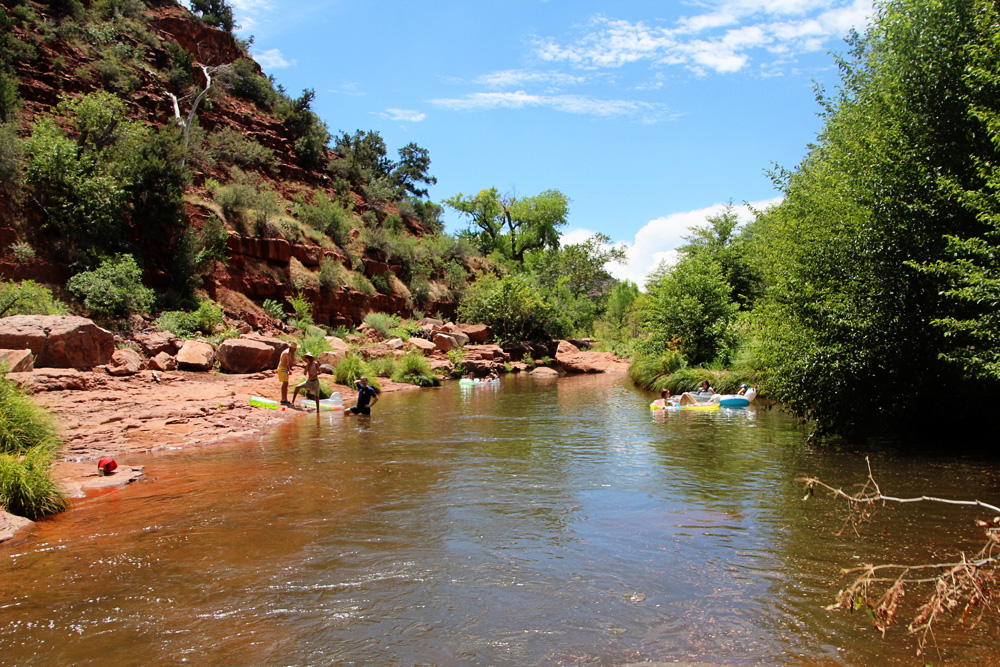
x=186, y=124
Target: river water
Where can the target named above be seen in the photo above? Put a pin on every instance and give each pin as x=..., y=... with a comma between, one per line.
x=544, y=522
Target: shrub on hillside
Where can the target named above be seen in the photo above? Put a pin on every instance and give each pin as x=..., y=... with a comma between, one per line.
x=114, y=289
x=28, y=298
x=230, y=146
x=331, y=274
x=273, y=309
x=382, y=322
x=327, y=216
x=204, y=320
x=243, y=80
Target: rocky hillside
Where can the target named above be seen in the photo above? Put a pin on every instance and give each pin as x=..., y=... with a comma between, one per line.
x=386, y=253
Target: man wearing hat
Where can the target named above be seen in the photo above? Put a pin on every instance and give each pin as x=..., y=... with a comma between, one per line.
x=285, y=363
x=311, y=383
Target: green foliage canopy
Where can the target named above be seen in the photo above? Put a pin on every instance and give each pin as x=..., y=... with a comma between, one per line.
x=531, y=223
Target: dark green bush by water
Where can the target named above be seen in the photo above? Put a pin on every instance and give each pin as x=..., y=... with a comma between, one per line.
x=28, y=441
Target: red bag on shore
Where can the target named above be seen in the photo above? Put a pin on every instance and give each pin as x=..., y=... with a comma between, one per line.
x=106, y=465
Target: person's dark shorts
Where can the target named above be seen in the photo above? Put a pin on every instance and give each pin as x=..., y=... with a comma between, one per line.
x=362, y=410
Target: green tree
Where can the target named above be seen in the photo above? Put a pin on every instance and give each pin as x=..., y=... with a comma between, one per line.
x=216, y=13
x=724, y=242
x=851, y=257
x=114, y=289
x=366, y=155
x=531, y=223
x=414, y=163
x=689, y=305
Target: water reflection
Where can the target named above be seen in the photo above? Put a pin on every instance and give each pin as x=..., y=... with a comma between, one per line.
x=543, y=522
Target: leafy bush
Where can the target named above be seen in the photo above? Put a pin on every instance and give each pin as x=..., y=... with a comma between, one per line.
x=314, y=342
x=413, y=368
x=230, y=146
x=302, y=309
x=331, y=274
x=360, y=283
x=114, y=289
x=273, y=309
x=381, y=283
x=512, y=306
x=382, y=322
x=28, y=298
x=243, y=80
x=329, y=217
x=22, y=252
x=204, y=320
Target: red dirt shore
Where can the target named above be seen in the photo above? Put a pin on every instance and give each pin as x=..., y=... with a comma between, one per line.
x=123, y=416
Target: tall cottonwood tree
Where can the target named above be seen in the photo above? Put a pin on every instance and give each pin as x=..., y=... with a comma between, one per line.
x=513, y=225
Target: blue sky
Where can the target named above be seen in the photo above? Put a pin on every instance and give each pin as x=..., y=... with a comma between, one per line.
x=649, y=116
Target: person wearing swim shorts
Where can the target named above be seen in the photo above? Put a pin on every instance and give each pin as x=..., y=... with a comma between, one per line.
x=311, y=383
x=285, y=363
x=365, y=393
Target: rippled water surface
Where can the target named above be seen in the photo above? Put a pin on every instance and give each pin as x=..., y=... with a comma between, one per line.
x=545, y=522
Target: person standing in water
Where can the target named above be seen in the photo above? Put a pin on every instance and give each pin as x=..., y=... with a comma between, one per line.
x=285, y=364
x=311, y=383
x=365, y=393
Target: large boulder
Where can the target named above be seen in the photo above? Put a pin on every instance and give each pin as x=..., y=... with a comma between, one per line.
x=241, y=355
x=58, y=341
x=544, y=371
x=52, y=379
x=196, y=355
x=163, y=362
x=17, y=361
x=477, y=333
x=424, y=346
x=337, y=344
x=445, y=342
x=487, y=352
x=331, y=357
x=276, y=344
x=456, y=333
x=159, y=341
x=125, y=362
x=591, y=362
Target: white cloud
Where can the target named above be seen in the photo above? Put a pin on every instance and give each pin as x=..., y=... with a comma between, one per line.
x=404, y=115
x=576, y=104
x=723, y=39
x=659, y=239
x=351, y=89
x=273, y=59
x=247, y=13
x=512, y=78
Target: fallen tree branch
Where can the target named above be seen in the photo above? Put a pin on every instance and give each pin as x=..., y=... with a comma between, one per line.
x=967, y=584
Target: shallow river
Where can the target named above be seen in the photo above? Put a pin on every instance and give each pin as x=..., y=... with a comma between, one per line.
x=546, y=522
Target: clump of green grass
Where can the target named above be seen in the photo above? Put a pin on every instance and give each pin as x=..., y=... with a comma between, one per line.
x=27, y=487
x=383, y=367
x=413, y=368
x=352, y=368
x=28, y=441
